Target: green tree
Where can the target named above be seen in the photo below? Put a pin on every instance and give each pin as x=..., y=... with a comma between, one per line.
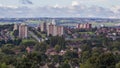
x=28, y=43
x=7, y=49
x=32, y=60
x=64, y=65
x=16, y=33
x=106, y=60
x=117, y=65
x=42, y=47
x=84, y=56
x=86, y=65
x=57, y=48
x=17, y=41
x=56, y=40
x=69, y=55
x=3, y=65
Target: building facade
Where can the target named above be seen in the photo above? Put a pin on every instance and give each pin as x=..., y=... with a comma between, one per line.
x=23, y=31
x=59, y=30
x=84, y=26
x=15, y=27
x=43, y=27
x=50, y=29
x=55, y=30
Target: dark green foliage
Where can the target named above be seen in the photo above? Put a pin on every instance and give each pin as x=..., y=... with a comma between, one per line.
x=16, y=33
x=17, y=41
x=7, y=26
x=57, y=41
x=3, y=65
x=42, y=47
x=32, y=60
x=117, y=65
x=7, y=49
x=70, y=54
x=106, y=60
x=28, y=43
x=64, y=65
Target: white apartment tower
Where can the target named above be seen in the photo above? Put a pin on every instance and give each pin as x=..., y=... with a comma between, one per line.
x=23, y=31
x=55, y=30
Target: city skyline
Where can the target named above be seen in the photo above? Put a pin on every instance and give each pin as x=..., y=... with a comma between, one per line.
x=60, y=8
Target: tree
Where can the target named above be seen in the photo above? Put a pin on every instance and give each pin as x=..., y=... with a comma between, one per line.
x=28, y=43
x=42, y=47
x=56, y=59
x=117, y=65
x=7, y=49
x=64, y=65
x=17, y=41
x=106, y=60
x=84, y=56
x=3, y=65
x=16, y=33
x=91, y=62
x=69, y=55
x=2, y=42
x=116, y=44
x=32, y=60
x=57, y=48
x=56, y=40
x=85, y=47
x=86, y=65
x=75, y=62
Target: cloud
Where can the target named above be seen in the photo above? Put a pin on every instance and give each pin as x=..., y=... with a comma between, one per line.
x=57, y=11
x=116, y=9
x=26, y=2
x=75, y=3
x=57, y=6
x=8, y=6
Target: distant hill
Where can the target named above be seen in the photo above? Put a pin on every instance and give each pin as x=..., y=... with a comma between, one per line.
x=62, y=20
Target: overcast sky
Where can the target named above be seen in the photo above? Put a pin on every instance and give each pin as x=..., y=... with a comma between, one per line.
x=60, y=8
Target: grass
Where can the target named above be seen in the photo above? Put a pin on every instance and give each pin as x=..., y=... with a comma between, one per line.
x=106, y=24
x=1, y=23
x=86, y=33
x=78, y=39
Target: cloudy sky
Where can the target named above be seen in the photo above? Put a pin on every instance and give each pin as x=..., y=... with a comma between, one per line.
x=60, y=8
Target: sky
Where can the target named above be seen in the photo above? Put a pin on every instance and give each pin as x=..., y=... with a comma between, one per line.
x=60, y=8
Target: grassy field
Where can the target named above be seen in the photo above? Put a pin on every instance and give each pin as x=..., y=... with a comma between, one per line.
x=66, y=24
x=106, y=24
x=86, y=33
x=1, y=23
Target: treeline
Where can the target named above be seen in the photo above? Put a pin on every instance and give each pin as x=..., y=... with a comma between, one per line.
x=7, y=26
x=98, y=52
